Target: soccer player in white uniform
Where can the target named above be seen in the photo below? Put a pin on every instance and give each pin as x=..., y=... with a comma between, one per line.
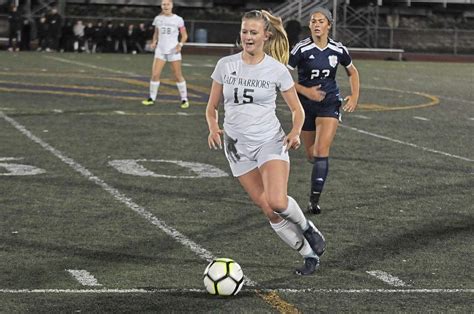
x=168, y=27
x=254, y=142
x=317, y=58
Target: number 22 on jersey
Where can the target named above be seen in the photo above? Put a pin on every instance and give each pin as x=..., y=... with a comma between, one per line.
x=315, y=73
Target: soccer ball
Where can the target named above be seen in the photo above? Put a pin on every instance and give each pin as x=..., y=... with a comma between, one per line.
x=223, y=276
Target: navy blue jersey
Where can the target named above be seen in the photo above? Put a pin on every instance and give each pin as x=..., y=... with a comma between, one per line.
x=318, y=66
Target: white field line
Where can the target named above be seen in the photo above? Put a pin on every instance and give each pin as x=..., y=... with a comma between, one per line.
x=117, y=71
x=204, y=65
x=84, y=277
x=456, y=99
x=421, y=118
x=173, y=233
x=171, y=291
x=387, y=278
x=87, y=65
x=360, y=116
x=405, y=143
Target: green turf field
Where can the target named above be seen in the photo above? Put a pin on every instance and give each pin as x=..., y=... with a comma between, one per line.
x=93, y=181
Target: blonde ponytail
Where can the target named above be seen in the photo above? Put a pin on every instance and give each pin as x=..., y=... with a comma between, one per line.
x=277, y=45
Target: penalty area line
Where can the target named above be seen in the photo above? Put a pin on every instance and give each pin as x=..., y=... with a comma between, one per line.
x=294, y=291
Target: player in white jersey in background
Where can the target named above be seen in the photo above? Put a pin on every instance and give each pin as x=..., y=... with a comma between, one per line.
x=168, y=27
x=254, y=141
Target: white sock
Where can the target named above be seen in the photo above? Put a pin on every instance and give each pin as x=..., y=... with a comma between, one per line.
x=294, y=214
x=154, y=89
x=291, y=235
x=183, y=91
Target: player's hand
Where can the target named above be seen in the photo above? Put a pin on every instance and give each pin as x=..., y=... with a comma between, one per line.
x=214, y=139
x=350, y=105
x=178, y=48
x=292, y=140
x=315, y=93
x=153, y=45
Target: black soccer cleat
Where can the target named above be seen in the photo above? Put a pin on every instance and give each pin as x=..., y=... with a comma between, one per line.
x=315, y=239
x=313, y=207
x=311, y=264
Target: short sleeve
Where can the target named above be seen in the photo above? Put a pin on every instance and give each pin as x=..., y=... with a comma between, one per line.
x=155, y=21
x=346, y=59
x=295, y=57
x=285, y=80
x=217, y=73
x=180, y=22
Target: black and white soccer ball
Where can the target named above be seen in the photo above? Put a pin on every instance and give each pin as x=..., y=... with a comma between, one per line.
x=223, y=276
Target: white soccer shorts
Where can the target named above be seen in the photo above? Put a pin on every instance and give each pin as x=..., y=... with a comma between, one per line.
x=170, y=57
x=244, y=158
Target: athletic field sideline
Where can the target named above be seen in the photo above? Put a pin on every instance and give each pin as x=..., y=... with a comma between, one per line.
x=111, y=206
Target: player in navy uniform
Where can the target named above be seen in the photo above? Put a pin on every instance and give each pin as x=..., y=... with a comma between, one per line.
x=317, y=58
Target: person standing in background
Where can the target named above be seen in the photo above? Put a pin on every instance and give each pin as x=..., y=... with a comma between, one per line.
x=168, y=28
x=14, y=33
x=54, y=21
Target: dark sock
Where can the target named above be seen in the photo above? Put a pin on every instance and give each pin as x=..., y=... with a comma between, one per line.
x=318, y=176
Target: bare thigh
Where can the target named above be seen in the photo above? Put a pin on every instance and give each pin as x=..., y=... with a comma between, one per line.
x=176, y=69
x=325, y=132
x=253, y=184
x=275, y=182
x=318, y=143
x=158, y=66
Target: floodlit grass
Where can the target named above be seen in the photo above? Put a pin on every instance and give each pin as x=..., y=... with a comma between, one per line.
x=398, y=197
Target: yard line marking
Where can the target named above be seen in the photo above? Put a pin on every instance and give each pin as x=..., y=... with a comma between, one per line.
x=360, y=116
x=84, y=277
x=405, y=143
x=456, y=99
x=421, y=118
x=387, y=278
x=87, y=65
x=244, y=290
x=203, y=65
x=471, y=118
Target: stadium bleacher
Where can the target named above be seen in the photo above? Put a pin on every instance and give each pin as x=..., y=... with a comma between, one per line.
x=361, y=24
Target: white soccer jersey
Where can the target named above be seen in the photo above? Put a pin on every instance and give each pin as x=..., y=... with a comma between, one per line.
x=250, y=93
x=168, y=27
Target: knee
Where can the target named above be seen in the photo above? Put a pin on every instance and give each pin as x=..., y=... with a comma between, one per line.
x=321, y=151
x=267, y=210
x=278, y=203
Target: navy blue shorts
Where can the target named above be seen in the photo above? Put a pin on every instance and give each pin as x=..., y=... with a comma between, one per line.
x=314, y=109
